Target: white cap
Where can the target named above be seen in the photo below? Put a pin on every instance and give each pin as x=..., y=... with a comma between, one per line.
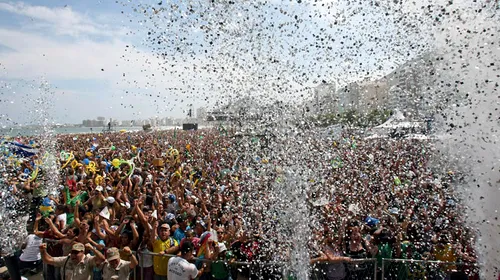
x=126, y=205
x=394, y=211
x=222, y=247
x=109, y=188
x=110, y=199
x=102, y=230
x=98, y=188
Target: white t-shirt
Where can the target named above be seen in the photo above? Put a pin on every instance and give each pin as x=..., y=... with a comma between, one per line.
x=145, y=259
x=32, y=251
x=180, y=269
x=61, y=217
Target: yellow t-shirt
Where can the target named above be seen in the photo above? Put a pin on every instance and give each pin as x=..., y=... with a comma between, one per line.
x=161, y=263
x=446, y=253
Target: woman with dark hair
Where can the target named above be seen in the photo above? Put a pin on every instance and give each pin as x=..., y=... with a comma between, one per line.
x=357, y=248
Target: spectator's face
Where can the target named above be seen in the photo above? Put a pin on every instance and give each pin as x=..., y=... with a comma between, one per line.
x=124, y=239
x=114, y=263
x=84, y=226
x=220, y=233
x=355, y=235
x=77, y=256
x=199, y=229
x=164, y=233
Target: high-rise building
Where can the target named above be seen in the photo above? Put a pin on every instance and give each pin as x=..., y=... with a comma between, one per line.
x=201, y=113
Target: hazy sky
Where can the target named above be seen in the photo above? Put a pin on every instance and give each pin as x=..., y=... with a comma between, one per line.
x=141, y=59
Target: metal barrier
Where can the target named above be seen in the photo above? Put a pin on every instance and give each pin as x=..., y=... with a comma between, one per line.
x=401, y=269
x=232, y=265
x=359, y=269
x=356, y=269
x=362, y=269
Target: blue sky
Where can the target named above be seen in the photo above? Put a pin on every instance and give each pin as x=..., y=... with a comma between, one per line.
x=99, y=60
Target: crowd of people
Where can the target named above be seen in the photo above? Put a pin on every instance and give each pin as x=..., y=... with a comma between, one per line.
x=132, y=201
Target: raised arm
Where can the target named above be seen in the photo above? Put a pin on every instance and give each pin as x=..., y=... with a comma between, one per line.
x=99, y=257
x=140, y=215
x=135, y=234
x=46, y=258
x=107, y=229
x=153, y=233
x=97, y=228
x=95, y=244
x=35, y=226
x=54, y=228
x=321, y=258
x=133, y=259
x=116, y=236
x=76, y=214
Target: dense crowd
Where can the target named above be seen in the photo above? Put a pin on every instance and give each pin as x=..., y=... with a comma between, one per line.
x=122, y=196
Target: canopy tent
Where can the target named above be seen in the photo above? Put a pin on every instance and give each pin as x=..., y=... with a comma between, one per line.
x=396, y=120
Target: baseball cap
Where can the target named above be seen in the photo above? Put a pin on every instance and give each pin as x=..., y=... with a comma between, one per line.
x=110, y=199
x=165, y=225
x=222, y=247
x=370, y=221
x=99, y=188
x=78, y=247
x=201, y=223
x=170, y=216
x=112, y=254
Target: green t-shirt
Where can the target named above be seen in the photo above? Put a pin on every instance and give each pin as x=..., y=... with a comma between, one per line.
x=82, y=196
x=70, y=219
x=409, y=270
x=384, y=252
x=219, y=269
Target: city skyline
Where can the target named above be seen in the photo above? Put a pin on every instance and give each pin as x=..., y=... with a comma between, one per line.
x=94, y=58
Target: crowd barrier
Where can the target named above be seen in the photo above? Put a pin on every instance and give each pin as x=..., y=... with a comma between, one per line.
x=362, y=269
x=401, y=269
x=356, y=269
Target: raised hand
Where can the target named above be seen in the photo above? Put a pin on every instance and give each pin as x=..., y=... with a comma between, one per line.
x=127, y=250
x=89, y=247
x=43, y=247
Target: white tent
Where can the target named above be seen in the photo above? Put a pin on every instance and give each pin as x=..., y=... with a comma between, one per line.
x=376, y=136
x=396, y=119
x=416, y=137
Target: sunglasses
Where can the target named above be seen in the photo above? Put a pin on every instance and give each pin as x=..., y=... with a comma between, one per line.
x=75, y=252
